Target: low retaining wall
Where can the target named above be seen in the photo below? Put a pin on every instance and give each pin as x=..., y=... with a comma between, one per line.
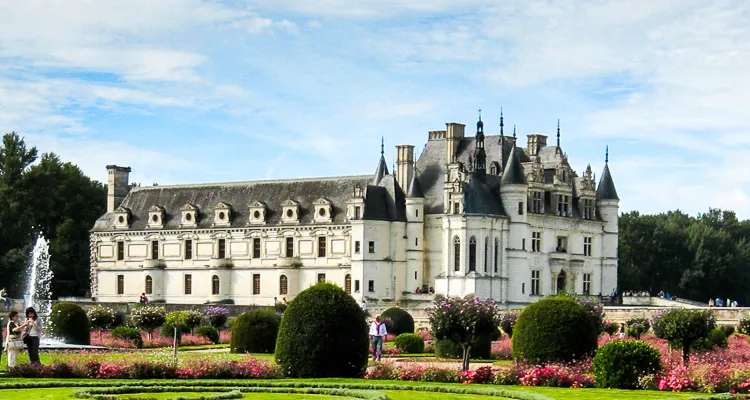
x=723, y=315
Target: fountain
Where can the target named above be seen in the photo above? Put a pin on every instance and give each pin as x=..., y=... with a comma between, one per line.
x=39, y=293
x=40, y=277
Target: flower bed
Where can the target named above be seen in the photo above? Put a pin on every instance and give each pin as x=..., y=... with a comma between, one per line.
x=140, y=367
x=157, y=341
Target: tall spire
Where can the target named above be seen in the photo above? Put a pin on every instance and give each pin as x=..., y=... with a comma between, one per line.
x=558, y=133
x=382, y=169
x=514, y=132
x=606, y=155
x=501, y=122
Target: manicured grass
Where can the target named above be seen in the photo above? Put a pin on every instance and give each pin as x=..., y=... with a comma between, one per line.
x=553, y=393
x=203, y=347
x=67, y=394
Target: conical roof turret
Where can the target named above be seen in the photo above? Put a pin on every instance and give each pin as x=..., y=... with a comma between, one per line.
x=606, y=189
x=382, y=169
x=513, y=174
x=415, y=189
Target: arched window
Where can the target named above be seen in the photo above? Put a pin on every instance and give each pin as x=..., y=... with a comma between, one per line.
x=149, y=285
x=472, y=254
x=497, y=253
x=283, y=285
x=348, y=283
x=215, y=285
x=456, y=253
x=486, y=253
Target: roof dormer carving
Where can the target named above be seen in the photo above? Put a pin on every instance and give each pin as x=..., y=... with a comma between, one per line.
x=222, y=214
x=122, y=218
x=189, y=217
x=323, y=210
x=156, y=216
x=257, y=213
x=290, y=212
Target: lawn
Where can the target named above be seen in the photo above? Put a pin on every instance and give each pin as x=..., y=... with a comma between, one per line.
x=395, y=390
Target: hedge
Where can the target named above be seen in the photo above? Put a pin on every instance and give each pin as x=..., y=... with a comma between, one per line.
x=620, y=363
x=255, y=332
x=398, y=321
x=69, y=322
x=410, y=343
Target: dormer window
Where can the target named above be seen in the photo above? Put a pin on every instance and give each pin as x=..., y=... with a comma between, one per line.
x=323, y=209
x=257, y=213
x=122, y=218
x=290, y=212
x=156, y=217
x=222, y=214
x=189, y=216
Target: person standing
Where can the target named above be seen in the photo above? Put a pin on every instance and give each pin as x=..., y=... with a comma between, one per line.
x=377, y=334
x=6, y=299
x=12, y=344
x=35, y=330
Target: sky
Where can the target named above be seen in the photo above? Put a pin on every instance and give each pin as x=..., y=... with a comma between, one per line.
x=188, y=91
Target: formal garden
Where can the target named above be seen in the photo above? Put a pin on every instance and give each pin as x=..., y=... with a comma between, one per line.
x=560, y=347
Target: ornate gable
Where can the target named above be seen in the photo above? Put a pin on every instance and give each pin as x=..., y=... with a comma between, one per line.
x=323, y=210
x=222, y=214
x=257, y=213
x=290, y=212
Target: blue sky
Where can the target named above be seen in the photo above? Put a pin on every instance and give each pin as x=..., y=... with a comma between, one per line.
x=202, y=91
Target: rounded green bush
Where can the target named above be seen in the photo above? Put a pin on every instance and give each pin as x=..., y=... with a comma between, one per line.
x=715, y=339
x=255, y=332
x=128, y=333
x=209, y=332
x=323, y=334
x=69, y=322
x=620, y=363
x=610, y=328
x=398, y=321
x=100, y=317
x=409, y=343
x=727, y=329
x=554, y=329
x=635, y=327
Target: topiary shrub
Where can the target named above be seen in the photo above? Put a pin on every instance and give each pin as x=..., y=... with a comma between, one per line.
x=323, y=334
x=610, y=328
x=120, y=319
x=554, y=329
x=621, y=363
x=398, y=321
x=148, y=318
x=744, y=325
x=715, y=339
x=728, y=330
x=217, y=316
x=209, y=332
x=409, y=343
x=681, y=327
x=128, y=333
x=193, y=320
x=635, y=327
x=100, y=317
x=69, y=323
x=255, y=332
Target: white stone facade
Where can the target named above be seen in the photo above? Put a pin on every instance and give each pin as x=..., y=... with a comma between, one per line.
x=472, y=215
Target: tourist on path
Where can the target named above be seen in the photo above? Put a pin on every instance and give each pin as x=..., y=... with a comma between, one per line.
x=14, y=329
x=6, y=299
x=34, y=331
x=377, y=334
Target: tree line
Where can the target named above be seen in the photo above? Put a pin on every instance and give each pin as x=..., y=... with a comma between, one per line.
x=697, y=258
x=45, y=194
x=690, y=257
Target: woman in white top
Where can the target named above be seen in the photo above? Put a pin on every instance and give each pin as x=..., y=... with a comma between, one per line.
x=35, y=330
x=15, y=328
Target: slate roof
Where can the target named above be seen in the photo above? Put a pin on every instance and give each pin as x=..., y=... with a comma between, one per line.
x=483, y=195
x=383, y=202
x=606, y=189
x=415, y=189
x=513, y=173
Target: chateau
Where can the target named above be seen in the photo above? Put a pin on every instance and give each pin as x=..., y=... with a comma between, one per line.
x=473, y=214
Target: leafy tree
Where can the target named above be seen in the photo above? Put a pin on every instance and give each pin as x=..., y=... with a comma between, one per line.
x=682, y=327
x=463, y=320
x=148, y=318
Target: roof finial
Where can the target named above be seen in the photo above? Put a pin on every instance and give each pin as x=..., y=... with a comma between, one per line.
x=480, y=114
x=382, y=145
x=501, y=121
x=558, y=133
x=606, y=155
x=514, y=131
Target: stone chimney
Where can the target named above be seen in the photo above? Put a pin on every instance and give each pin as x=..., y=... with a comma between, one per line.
x=453, y=134
x=117, y=186
x=536, y=141
x=404, y=165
